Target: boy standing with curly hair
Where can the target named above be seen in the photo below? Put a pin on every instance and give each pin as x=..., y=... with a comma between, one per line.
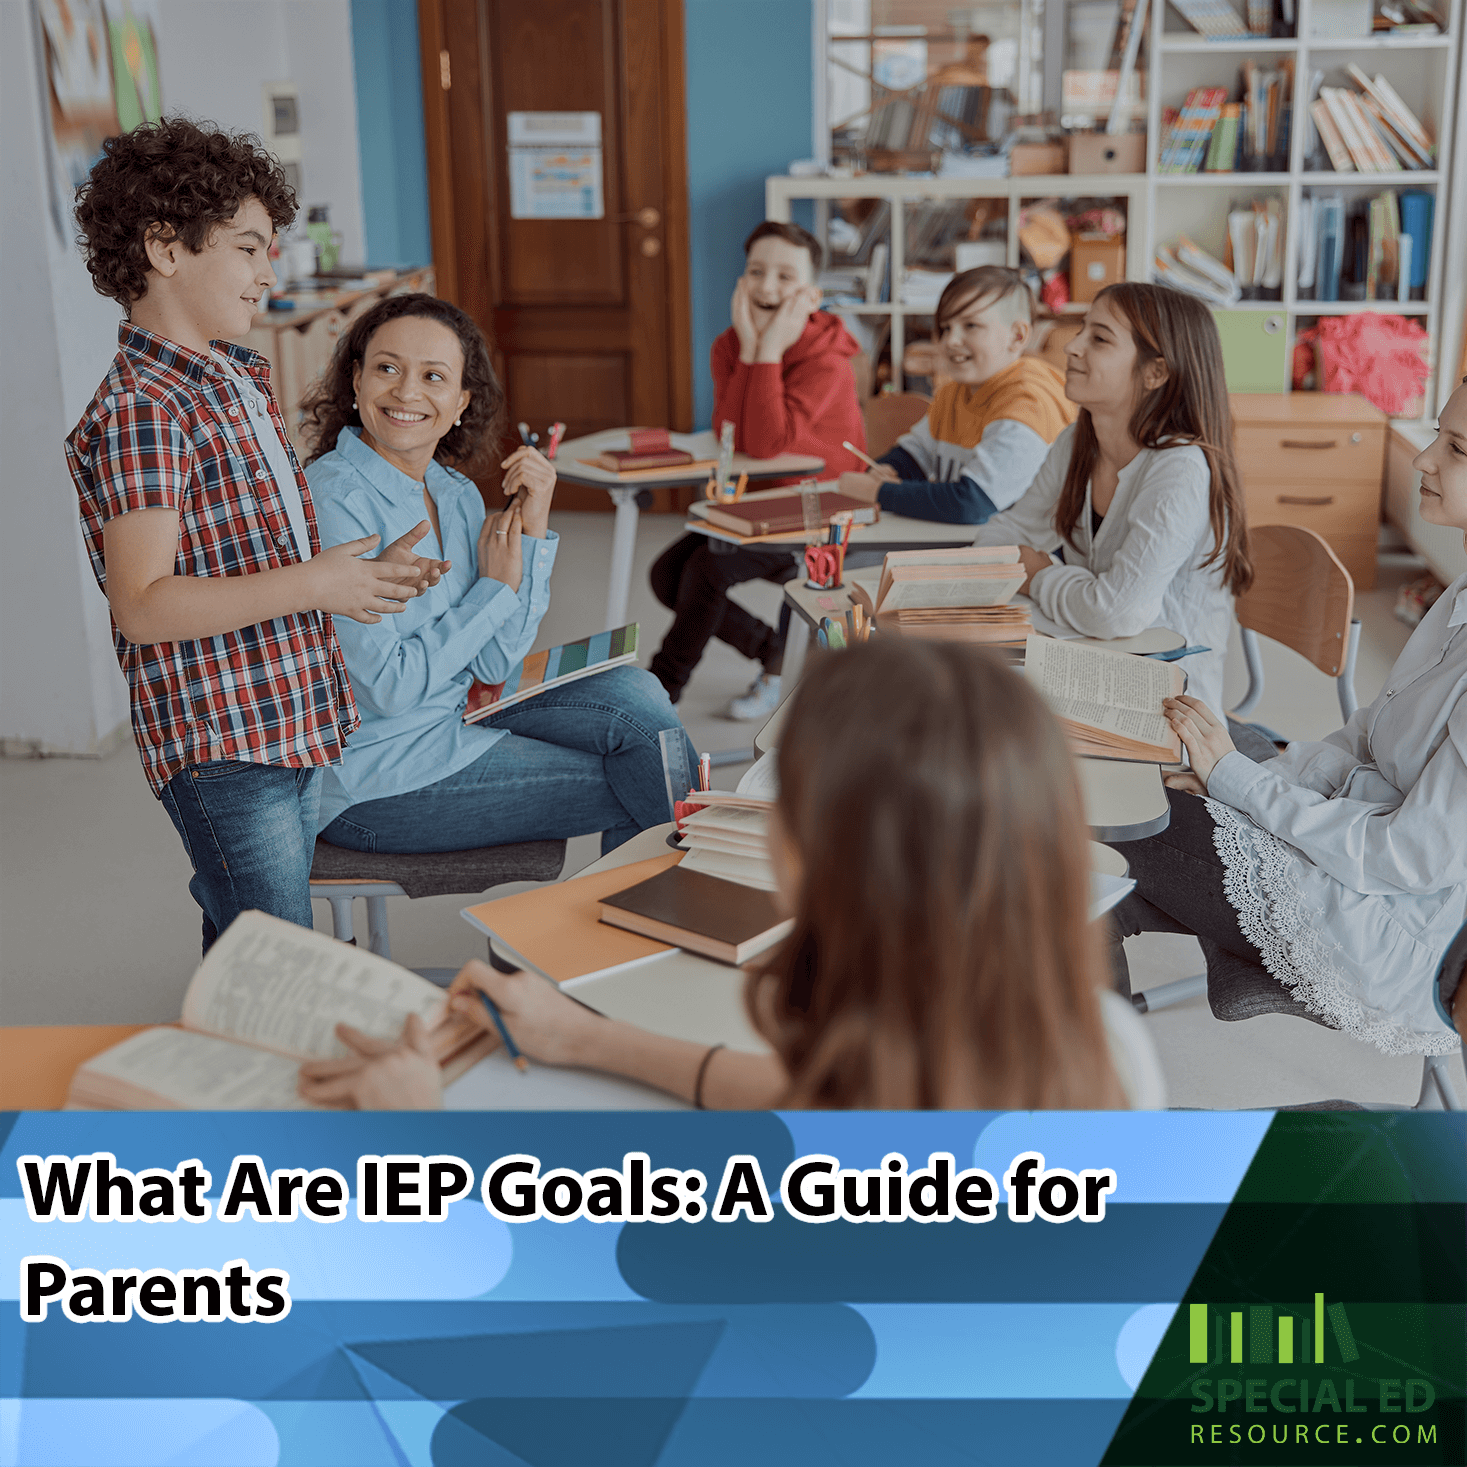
x=199, y=523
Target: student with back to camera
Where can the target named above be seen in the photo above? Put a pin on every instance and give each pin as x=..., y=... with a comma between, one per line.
x=782, y=376
x=1142, y=494
x=200, y=526
x=1341, y=865
x=942, y=954
x=408, y=401
x=988, y=429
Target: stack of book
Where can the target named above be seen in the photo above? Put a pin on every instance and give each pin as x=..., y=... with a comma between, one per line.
x=1370, y=130
x=1184, y=144
x=959, y=595
x=1192, y=269
x=781, y=517
x=726, y=836
x=647, y=449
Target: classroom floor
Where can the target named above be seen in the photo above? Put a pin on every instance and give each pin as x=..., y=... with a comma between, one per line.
x=97, y=925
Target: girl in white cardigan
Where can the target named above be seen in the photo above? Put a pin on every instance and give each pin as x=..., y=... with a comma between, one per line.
x=1340, y=866
x=1141, y=495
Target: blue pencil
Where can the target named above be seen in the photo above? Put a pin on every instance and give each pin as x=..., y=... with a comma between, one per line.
x=510, y=1047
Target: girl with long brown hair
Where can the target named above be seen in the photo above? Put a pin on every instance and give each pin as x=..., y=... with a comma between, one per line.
x=929, y=845
x=1141, y=496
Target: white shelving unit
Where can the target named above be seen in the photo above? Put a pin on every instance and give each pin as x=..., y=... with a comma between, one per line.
x=902, y=190
x=1426, y=70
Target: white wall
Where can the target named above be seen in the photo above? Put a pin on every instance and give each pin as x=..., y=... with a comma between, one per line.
x=60, y=687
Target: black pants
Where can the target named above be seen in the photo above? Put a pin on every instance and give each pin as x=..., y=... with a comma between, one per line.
x=1179, y=878
x=693, y=577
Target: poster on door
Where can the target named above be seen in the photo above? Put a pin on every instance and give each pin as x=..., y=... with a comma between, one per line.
x=555, y=167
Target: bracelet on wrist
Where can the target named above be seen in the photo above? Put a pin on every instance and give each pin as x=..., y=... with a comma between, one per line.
x=703, y=1075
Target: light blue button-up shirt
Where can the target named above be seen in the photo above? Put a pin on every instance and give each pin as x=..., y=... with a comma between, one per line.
x=411, y=671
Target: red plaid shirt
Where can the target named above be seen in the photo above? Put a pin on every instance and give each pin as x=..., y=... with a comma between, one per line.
x=165, y=431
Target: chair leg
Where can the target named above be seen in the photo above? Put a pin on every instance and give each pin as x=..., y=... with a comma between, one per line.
x=1164, y=995
x=377, y=926
x=341, y=923
x=1436, y=1085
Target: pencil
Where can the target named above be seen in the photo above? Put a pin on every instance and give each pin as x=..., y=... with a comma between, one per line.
x=557, y=432
x=705, y=772
x=864, y=457
x=510, y=1047
x=524, y=433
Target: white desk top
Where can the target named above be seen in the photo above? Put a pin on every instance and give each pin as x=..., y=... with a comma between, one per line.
x=678, y=994
x=700, y=445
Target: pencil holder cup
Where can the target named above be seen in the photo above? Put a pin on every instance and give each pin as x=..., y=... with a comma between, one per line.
x=824, y=564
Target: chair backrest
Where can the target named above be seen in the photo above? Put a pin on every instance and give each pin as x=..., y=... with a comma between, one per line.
x=1301, y=595
x=889, y=416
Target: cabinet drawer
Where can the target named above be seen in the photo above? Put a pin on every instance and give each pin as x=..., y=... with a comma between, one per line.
x=1341, y=507
x=1314, y=451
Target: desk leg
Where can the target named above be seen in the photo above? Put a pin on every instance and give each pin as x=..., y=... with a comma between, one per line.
x=623, y=545
x=796, y=644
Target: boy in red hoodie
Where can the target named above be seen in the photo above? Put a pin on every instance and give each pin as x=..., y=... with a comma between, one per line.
x=782, y=376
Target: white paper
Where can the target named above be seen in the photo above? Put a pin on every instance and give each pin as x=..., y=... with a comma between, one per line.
x=200, y=1072
x=555, y=165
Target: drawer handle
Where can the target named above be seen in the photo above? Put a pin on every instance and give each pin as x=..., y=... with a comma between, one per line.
x=1306, y=499
x=1299, y=443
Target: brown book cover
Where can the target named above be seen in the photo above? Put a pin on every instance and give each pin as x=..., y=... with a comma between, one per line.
x=719, y=919
x=623, y=460
x=785, y=513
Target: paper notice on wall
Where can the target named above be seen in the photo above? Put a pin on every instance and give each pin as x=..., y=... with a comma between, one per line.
x=555, y=165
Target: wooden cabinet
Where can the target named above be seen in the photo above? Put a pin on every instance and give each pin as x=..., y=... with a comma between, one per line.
x=299, y=343
x=1316, y=460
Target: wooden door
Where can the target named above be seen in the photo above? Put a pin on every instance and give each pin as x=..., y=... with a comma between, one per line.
x=589, y=319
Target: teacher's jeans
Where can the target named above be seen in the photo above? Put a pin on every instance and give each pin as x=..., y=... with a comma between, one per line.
x=250, y=833
x=583, y=757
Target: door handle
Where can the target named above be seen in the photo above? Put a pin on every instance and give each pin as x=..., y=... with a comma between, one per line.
x=648, y=218
x=1300, y=443
x=1306, y=499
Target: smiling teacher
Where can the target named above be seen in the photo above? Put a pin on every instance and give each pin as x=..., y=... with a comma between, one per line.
x=408, y=403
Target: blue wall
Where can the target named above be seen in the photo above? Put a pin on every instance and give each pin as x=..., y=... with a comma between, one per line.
x=394, y=162
x=749, y=85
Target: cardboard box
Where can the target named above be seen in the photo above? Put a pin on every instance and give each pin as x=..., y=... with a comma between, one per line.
x=1098, y=152
x=1095, y=262
x=1028, y=158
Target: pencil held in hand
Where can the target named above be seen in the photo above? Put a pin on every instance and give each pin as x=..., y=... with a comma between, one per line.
x=510, y=1047
x=860, y=454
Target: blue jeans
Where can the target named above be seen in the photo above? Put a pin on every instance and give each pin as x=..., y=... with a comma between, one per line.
x=250, y=832
x=582, y=757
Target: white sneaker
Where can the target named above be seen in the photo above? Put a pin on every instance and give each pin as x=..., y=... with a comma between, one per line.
x=759, y=702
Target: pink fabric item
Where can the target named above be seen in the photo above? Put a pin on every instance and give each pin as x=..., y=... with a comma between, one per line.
x=1379, y=356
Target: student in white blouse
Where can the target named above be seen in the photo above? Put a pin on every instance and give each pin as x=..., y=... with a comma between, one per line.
x=1141, y=495
x=1340, y=866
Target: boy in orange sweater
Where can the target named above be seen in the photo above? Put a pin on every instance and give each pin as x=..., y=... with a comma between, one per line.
x=782, y=376
x=989, y=428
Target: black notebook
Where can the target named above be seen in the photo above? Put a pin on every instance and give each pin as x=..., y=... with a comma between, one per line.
x=715, y=918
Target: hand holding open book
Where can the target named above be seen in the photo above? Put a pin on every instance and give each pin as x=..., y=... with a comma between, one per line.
x=1110, y=703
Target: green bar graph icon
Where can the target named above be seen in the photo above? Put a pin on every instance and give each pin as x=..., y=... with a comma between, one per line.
x=1197, y=1333
x=1319, y=1329
x=1260, y=1334
x=1286, y=1339
x=1236, y=1343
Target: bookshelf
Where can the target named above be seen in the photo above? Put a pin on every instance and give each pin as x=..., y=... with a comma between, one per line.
x=1425, y=70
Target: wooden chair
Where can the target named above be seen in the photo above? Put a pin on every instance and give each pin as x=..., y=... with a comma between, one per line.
x=889, y=416
x=1303, y=597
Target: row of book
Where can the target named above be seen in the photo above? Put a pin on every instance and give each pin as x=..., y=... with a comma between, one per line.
x=1210, y=134
x=1369, y=130
x=1255, y=259
x=1365, y=249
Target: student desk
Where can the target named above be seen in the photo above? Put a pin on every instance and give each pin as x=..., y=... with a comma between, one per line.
x=623, y=489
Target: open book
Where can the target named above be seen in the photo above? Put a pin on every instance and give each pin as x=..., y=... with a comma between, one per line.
x=1108, y=702
x=727, y=836
x=268, y=995
x=541, y=671
x=960, y=594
